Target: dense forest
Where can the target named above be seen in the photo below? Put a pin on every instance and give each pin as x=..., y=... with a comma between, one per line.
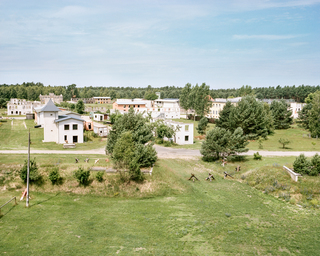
x=31, y=91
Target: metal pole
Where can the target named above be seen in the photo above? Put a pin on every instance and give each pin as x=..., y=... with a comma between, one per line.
x=28, y=172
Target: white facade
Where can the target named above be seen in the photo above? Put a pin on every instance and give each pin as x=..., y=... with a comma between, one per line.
x=70, y=130
x=21, y=107
x=184, y=135
x=98, y=117
x=100, y=129
x=55, y=98
x=67, y=128
x=165, y=108
x=295, y=108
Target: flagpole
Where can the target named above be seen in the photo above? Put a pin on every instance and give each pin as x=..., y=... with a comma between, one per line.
x=28, y=171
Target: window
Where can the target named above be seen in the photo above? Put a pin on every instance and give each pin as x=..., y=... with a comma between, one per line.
x=66, y=127
x=187, y=128
x=75, y=139
x=124, y=106
x=65, y=138
x=138, y=106
x=186, y=138
x=74, y=127
x=89, y=126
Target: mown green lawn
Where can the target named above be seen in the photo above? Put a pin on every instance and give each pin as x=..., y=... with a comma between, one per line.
x=106, y=105
x=223, y=217
x=14, y=135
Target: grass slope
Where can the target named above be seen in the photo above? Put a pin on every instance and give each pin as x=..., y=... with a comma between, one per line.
x=223, y=217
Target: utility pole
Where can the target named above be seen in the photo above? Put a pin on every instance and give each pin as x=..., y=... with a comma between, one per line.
x=28, y=171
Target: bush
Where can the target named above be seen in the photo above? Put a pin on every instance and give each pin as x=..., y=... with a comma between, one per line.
x=54, y=176
x=99, y=176
x=82, y=176
x=257, y=156
x=302, y=165
x=33, y=171
x=315, y=162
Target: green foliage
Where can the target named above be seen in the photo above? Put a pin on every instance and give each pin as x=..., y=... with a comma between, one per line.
x=257, y=156
x=302, y=165
x=303, y=116
x=281, y=114
x=136, y=123
x=314, y=115
x=202, y=125
x=150, y=96
x=145, y=155
x=315, y=162
x=80, y=107
x=196, y=98
x=33, y=171
x=54, y=176
x=82, y=176
x=164, y=130
x=220, y=142
x=251, y=116
x=224, y=116
x=99, y=176
x=284, y=142
x=114, y=117
x=124, y=150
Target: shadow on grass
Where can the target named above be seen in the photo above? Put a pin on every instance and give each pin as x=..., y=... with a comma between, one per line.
x=43, y=201
x=2, y=215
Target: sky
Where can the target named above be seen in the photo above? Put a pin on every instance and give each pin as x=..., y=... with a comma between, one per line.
x=223, y=43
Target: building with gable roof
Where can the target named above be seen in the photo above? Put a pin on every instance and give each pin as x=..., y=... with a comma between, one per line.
x=59, y=127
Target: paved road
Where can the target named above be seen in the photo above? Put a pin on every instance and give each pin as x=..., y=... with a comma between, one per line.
x=163, y=152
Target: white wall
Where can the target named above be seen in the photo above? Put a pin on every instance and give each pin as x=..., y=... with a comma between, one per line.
x=50, y=131
x=70, y=133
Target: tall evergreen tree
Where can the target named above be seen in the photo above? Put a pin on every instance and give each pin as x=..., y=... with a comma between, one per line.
x=281, y=114
x=224, y=116
x=250, y=115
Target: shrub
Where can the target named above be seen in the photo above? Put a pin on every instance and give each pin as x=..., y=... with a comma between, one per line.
x=33, y=171
x=82, y=176
x=99, y=176
x=284, y=142
x=301, y=165
x=315, y=161
x=257, y=156
x=54, y=175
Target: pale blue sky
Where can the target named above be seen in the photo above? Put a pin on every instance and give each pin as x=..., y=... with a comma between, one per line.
x=224, y=43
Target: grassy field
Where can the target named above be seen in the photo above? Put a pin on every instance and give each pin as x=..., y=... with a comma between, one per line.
x=14, y=135
x=298, y=137
x=107, y=106
x=176, y=216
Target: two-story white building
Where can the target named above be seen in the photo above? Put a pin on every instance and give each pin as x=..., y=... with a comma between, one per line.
x=184, y=132
x=64, y=128
x=165, y=108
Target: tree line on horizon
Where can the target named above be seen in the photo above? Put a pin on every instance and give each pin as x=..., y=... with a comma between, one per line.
x=31, y=91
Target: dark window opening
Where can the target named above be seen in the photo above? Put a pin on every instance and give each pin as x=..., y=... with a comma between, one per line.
x=66, y=127
x=75, y=139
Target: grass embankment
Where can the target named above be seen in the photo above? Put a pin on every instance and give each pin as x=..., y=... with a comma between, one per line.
x=223, y=217
x=14, y=135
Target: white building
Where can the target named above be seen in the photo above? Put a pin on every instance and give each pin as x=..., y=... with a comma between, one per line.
x=295, y=108
x=100, y=129
x=98, y=117
x=184, y=135
x=218, y=104
x=165, y=108
x=67, y=128
x=21, y=107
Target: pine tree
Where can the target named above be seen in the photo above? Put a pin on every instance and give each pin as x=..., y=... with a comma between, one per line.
x=202, y=125
x=281, y=114
x=224, y=116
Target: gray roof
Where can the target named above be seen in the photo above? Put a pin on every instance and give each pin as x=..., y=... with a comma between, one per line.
x=50, y=107
x=63, y=118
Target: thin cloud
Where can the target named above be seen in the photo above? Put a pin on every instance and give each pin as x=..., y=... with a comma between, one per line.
x=264, y=37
